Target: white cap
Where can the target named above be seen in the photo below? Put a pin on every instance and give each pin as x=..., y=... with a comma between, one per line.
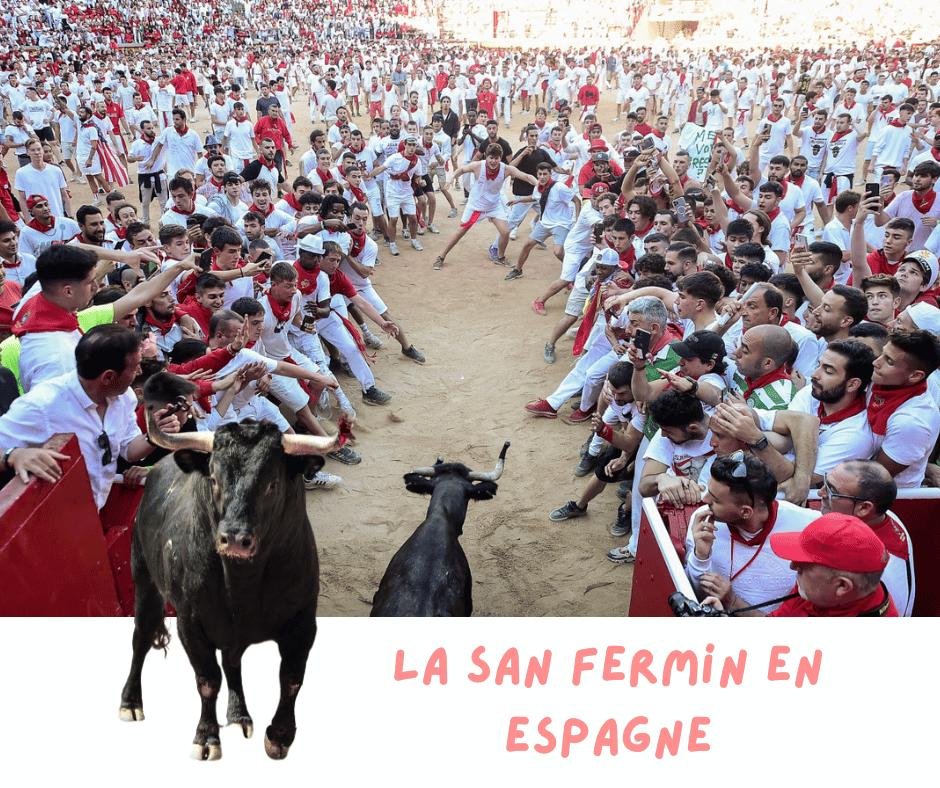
x=606, y=257
x=928, y=264
x=311, y=243
x=925, y=317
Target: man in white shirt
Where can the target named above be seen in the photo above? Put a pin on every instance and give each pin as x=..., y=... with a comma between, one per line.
x=93, y=400
x=182, y=145
x=37, y=177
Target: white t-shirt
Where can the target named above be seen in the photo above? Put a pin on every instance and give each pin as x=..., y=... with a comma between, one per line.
x=48, y=182
x=910, y=437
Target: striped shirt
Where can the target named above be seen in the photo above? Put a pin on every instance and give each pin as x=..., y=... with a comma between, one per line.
x=774, y=396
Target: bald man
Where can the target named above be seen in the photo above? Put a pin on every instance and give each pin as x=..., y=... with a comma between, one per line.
x=762, y=358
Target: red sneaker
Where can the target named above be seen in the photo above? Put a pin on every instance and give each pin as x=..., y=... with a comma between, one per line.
x=542, y=408
x=580, y=416
x=539, y=307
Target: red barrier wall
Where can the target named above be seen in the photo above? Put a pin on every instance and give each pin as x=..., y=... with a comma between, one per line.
x=657, y=572
x=53, y=556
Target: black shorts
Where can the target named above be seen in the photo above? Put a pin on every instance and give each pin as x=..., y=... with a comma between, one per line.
x=45, y=135
x=830, y=178
x=610, y=454
x=427, y=188
x=471, y=104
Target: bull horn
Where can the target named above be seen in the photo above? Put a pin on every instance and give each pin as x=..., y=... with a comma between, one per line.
x=491, y=477
x=310, y=444
x=428, y=471
x=196, y=441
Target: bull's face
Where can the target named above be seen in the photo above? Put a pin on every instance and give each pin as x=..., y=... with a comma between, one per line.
x=251, y=481
x=477, y=491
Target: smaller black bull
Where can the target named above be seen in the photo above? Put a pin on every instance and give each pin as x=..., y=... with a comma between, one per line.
x=222, y=534
x=430, y=574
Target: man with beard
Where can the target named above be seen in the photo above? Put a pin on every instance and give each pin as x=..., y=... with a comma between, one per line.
x=150, y=180
x=840, y=308
x=167, y=323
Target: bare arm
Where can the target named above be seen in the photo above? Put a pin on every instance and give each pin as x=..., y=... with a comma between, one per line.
x=146, y=291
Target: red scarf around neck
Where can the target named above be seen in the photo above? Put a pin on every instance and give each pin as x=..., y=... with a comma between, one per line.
x=358, y=244
x=884, y=402
x=773, y=214
x=923, y=203
x=40, y=316
x=798, y=182
x=165, y=327
x=291, y=200
x=839, y=135
x=266, y=213
x=306, y=278
x=897, y=123
x=323, y=176
x=43, y=228
x=771, y=377
x=852, y=409
x=264, y=163
x=281, y=313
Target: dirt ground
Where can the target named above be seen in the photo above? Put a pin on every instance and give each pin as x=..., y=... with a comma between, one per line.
x=483, y=345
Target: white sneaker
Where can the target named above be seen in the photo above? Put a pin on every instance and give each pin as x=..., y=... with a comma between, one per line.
x=452, y=214
x=420, y=231
x=433, y=229
x=416, y=245
x=405, y=234
x=81, y=179
x=393, y=248
x=369, y=338
x=512, y=234
x=615, y=118
x=322, y=481
x=621, y=555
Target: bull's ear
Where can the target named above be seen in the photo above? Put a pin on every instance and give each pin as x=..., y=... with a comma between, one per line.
x=483, y=491
x=416, y=483
x=307, y=465
x=189, y=461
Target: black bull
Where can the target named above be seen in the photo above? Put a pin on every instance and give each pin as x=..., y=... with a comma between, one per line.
x=222, y=534
x=430, y=574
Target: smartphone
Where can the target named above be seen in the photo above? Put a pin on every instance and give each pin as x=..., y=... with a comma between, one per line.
x=799, y=243
x=199, y=249
x=264, y=258
x=307, y=321
x=886, y=180
x=682, y=209
x=647, y=144
x=641, y=341
x=872, y=190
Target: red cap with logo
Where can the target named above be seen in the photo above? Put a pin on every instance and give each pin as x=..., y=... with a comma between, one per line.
x=838, y=541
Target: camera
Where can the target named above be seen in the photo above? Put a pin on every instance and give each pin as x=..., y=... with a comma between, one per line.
x=683, y=607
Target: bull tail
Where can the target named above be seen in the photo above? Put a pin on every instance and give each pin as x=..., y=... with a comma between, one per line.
x=161, y=638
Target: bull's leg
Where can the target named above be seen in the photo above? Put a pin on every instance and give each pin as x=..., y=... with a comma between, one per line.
x=201, y=653
x=294, y=643
x=237, y=708
x=149, y=630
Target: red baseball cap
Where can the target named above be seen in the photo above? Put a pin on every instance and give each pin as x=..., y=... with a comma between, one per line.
x=33, y=200
x=838, y=541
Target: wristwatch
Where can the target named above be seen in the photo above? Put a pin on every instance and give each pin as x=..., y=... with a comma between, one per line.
x=762, y=444
x=6, y=457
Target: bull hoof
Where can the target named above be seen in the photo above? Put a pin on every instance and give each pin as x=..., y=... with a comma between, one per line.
x=210, y=751
x=129, y=714
x=245, y=723
x=276, y=752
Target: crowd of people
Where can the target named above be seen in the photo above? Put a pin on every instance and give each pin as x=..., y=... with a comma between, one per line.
x=750, y=322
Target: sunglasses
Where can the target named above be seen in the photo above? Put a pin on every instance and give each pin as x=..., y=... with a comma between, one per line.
x=104, y=443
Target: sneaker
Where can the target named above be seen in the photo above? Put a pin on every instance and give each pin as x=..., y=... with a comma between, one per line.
x=615, y=119
x=414, y=354
x=621, y=555
x=573, y=331
x=433, y=229
x=549, y=353
x=405, y=234
x=567, y=512
x=588, y=463
x=346, y=456
x=580, y=416
x=374, y=235
x=81, y=179
x=369, y=338
x=622, y=525
x=322, y=481
x=512, y=234
x=341, y=365
x=393, y=248
x=624, y=490
x=375, y=397
x=542, y=408
x=452, y=214
x=539, y=307
x=385, y=241
x=515, y=273
x=541, y=244
x=504, y=261
x=420, y=231
x=416, y=245
x=494, y=253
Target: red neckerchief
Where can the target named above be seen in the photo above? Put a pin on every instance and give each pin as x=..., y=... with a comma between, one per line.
x=218, y=184
x=120, y=232
x=854, y=408
x=885, y=401
x=893, y=537
x=795, y=182
x=291, y=200
x=672, y=333
x=734, y=206
x=819, y=129
x=758, y=540
x=264, y=163
x=281, y=313
x=184, y=213
x=15, y=264
x=199, y=313
x=40, y=316
x=771, y=377
x=773, y=119
x=358, y=243
x=265, y=214
x=657, y=133
x=847, y=105
x=923, y=203
x=935, y=153
x=884, y=112
x=359, y=194
x=183, y=132
x=100, y=117
x=627, y=259
x=334, y=94
x=43, y=228
x=220, y=103
x=839, y=135
x=897, y=123
x=163, y=328
x=773, y=214
x=306, y=279
x=877, y=603
x=323, y=176
x=491, y=176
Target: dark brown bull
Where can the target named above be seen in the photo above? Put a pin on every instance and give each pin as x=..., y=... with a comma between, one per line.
x=222, y=534
x=430, y=574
